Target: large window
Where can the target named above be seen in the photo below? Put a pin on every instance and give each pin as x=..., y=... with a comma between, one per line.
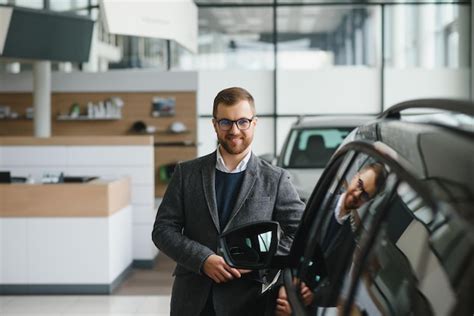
x=303, y=57
x=427, y=52
x=231, y=38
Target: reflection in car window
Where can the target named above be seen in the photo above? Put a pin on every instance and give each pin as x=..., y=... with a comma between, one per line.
x=411, y=269
x=312, y=148
x=336, y=231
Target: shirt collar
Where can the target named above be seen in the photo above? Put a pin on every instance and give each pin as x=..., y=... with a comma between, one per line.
x=337, y=212
x=242, y=166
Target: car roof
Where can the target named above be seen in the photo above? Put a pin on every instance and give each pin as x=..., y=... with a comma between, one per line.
x=439, y=147
x=332, y=121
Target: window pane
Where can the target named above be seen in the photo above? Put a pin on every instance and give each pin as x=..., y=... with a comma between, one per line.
x=231, y=38
x=312, y=148
x=416, y=264
x=328, y=59
x=427, y=52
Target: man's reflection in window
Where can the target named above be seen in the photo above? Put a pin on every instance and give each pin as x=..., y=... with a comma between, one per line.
x=363, y=186
x=337, y=235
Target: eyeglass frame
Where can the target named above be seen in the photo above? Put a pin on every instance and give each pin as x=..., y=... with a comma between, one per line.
x=364, y=195
x=234, y=122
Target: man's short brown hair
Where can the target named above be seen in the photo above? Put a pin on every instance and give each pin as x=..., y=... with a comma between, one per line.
x=380, y=174
x=231, y=96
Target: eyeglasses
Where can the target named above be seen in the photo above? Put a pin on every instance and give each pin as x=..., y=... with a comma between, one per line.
x=364, y=196
x=242, y=123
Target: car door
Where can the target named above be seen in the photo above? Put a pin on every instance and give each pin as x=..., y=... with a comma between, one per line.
x=328, y=241
x=401, y=255
x=420, y=261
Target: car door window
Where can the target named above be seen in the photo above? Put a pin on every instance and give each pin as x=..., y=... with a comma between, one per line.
x=312, y=147
x=337, y=227
x=415, y=262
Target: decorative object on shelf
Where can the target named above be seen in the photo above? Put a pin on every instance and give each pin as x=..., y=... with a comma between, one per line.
x=75, y=110
x=141, y=128
x=163, y=106
x=7, y=113
x=4, y=111
x=110, y=109
x=178, y=127
x=30, y=113
x=52, y=177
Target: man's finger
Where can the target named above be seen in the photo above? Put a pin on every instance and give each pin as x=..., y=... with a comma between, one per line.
x=281, y=301
x=215, y=278
x=226, y=276
x=234, y=272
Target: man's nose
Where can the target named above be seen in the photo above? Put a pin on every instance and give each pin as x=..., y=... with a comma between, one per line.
x=234, y=129
x=357, y=193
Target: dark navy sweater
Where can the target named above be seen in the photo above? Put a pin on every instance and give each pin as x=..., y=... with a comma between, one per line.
x=227, y=190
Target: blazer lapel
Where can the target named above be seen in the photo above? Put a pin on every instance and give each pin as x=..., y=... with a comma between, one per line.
x=247, y=184
x=208, y=182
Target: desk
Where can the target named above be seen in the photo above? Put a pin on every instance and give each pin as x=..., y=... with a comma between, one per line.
x=65, y=238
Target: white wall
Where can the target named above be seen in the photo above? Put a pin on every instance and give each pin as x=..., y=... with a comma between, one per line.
x=258, y=83
x=406, y=84
x=110, y=81
x=351, y=89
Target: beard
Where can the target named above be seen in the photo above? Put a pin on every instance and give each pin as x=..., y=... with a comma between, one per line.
x=351, y=202
x=233, y=148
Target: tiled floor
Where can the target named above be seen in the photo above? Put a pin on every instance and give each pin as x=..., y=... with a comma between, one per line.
x=157, y=281
x=84, y=305
x=144, y=293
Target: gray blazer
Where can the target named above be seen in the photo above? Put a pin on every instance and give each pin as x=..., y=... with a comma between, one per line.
x=187, y=229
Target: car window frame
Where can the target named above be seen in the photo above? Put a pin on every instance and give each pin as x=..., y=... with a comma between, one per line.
x=404, y=173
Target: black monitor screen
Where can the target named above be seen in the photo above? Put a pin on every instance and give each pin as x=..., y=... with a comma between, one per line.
x=5, y=177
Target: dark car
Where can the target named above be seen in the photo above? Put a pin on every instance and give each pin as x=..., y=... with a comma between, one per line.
x=388, y=229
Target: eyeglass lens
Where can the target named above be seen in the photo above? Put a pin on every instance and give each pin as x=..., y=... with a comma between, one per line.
x=242, y=124
x=363, y=194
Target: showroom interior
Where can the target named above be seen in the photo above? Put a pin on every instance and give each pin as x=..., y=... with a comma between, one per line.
x=111, y=95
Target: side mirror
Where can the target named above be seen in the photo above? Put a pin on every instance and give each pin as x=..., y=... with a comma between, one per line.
x=250, y=246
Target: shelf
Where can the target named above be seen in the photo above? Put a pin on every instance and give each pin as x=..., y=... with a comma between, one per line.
x=20, y=118
x=185, y=143
x=86, y=118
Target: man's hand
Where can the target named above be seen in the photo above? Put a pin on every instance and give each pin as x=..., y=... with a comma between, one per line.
x=219, y=271
x=282, y=307
x=306, y=294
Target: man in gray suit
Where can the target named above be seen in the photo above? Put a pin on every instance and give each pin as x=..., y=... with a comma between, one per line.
x=211, y=194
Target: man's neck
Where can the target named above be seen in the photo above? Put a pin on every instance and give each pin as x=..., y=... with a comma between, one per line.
x=232, y=160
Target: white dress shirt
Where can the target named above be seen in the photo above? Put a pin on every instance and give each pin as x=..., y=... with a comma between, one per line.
x=337, y=212
x=242, y=166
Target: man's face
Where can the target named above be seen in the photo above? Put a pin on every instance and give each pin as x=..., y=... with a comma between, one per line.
x=361, y=189
x=235, y=141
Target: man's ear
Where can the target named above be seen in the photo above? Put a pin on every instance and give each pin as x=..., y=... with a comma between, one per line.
x=214, y=124
x=254, y=121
